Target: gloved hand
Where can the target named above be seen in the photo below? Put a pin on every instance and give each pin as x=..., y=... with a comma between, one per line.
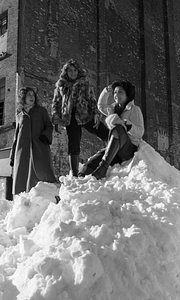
x=43, y=138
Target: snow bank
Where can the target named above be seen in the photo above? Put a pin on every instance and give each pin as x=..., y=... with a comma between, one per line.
x=113, y=239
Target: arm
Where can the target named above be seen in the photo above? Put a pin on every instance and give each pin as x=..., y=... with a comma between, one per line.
x=113, y=120
x=137, y=121
x=91, y=98
x=56, y=106
x=46, y=135
x=103, y=105
x=93, y=103
x=13, y=149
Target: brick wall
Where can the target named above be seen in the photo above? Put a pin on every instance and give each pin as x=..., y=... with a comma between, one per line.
x=60, y=30
x=174, y=30
x=138, y=41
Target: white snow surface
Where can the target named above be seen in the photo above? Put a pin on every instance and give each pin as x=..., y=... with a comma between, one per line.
x=113, y=239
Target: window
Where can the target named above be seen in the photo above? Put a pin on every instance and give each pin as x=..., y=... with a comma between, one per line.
x=2, y=100
x=3, y=22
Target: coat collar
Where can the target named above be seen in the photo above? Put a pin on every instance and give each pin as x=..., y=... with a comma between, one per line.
x=129, y=105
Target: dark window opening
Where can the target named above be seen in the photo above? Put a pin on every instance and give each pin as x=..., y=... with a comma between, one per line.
x=1, y=113
x=3, y=22
x=2, y=100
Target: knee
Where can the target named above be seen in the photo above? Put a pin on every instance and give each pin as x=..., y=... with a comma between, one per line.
x=115, y=134
x=120, y=133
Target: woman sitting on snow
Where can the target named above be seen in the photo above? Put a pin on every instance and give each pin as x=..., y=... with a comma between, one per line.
x=125, y=121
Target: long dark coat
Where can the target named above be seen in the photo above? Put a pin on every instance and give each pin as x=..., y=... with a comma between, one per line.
x=32, y=157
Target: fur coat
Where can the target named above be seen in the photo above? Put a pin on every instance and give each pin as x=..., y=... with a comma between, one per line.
x=77, y=96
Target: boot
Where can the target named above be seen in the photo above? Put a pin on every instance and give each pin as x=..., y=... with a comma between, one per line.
x=111, y=150
x=74, y=164
x=85, y=171
x=91, y=164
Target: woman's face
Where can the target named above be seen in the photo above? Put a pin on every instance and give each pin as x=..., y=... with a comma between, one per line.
x=72, y=72
x=120, y=95
x=30, y=98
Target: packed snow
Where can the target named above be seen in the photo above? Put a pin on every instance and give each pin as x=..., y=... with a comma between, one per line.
x=113, y=239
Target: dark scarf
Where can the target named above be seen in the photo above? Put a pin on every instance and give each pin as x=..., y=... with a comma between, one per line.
x=118, y=109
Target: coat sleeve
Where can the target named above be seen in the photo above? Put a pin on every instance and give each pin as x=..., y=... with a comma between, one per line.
x=56, y=107
x=113, y=120
x=91, y=98
x=137, y=121
x=103, y=105
x=13, y=149
x=48, y=127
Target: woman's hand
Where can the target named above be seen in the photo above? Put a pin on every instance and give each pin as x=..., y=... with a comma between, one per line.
x=109, y=89
x=56, y=119
x=96, y=121
x=43, y=138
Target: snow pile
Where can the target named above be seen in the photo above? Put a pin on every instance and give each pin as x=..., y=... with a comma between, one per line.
x=114, y=239
x=29, y=207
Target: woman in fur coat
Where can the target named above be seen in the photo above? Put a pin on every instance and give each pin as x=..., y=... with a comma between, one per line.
x=31, y=154
x=125, y=122
x=74, y=106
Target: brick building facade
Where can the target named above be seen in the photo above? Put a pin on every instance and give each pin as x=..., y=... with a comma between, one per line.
x=138, y=41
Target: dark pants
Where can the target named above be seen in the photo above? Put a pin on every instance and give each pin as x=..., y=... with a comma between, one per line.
x=125, y=153
x=74, y=133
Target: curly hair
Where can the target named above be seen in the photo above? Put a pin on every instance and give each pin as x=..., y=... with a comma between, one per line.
x=63, y=77
x=22, y=97
x=127, y=86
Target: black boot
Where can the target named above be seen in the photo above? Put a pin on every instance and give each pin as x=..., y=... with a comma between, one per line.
x=74, y=164
x=85, y=171
x=91, y=164
x=111, y=150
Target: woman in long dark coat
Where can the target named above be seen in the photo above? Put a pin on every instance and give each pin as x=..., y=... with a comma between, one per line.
x=31, y=154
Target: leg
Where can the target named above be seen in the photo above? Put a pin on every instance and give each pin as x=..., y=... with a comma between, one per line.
x=74, y=164
x=32, y=178
x=74, y=132
x=117, y=140
x=127, y=151
x=92, y=163
x=102, y=131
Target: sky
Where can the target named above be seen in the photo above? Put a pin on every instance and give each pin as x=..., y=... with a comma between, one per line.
x=113, y=239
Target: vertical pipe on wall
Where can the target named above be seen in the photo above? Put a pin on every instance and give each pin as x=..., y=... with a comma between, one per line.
x=19, y=53
x=168, y=77
x=98, y=45
x=19, y=37
x=107, y=44
x=143, y=63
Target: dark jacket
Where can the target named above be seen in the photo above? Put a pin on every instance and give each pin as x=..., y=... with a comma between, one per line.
x=30, y=152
